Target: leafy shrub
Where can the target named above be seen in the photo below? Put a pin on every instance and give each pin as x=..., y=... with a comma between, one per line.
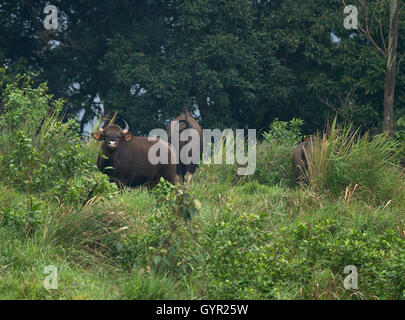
x=179, y=199
x=160, y=246
x=243, y=260
x=23, y=217
x=26, y=106
x=164, y=241
x=230, y=266
x=40, y=153
x=162, y=189
x=328, y=246
x=284, y=132
x=274, y=153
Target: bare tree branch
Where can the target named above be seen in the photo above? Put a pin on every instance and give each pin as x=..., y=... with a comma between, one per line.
x=382, y=36
x=364, y=5
x=375, y=45
x=366, y=31
x=327, y=103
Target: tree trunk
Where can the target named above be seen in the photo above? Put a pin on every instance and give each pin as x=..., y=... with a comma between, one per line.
x=389, y=89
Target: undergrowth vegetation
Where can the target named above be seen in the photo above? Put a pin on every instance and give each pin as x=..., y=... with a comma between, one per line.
x=222, y=237
x=41, y=153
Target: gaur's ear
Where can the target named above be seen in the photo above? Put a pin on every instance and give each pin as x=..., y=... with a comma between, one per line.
x=98, y=136
x=127, y=137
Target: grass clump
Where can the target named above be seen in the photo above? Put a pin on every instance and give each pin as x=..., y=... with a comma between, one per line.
x=345, y=163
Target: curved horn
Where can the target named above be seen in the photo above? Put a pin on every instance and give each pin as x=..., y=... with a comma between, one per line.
x=125, y=131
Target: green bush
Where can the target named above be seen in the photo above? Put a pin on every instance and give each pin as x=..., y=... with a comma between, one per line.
x=230, y=266
x=274, y=153
x=243, y=260
x=329, y=246
x=179, y=199
x=164, y=241
x=39, y=152
x=283, y=132
x=27, y=105
x=21, y=214
x=161, y=246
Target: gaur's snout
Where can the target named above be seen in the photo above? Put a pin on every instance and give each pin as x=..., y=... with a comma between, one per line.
x=112, y=144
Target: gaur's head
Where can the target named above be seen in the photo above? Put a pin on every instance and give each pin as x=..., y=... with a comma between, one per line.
x=113, y=135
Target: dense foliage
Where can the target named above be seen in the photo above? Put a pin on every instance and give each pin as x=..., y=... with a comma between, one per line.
x=41, y=153
x=235, y=63
x=222, y=237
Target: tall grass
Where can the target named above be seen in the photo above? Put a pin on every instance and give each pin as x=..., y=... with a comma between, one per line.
x=273, y=157
x=341, y=161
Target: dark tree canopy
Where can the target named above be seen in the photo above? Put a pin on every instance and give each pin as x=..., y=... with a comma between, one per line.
x=236, y=63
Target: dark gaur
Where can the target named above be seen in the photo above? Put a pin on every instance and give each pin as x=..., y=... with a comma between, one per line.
x=186, y=121
x=300, y=158
x=125, y=158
